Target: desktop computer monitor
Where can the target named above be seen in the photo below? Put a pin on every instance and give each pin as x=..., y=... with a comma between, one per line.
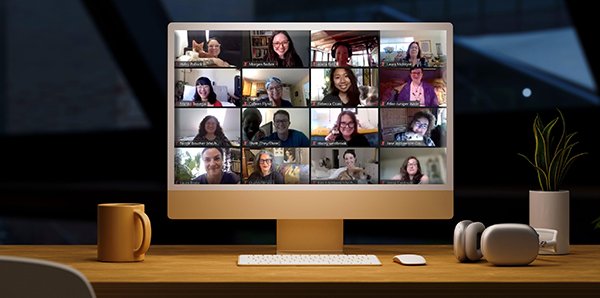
x=310, y=124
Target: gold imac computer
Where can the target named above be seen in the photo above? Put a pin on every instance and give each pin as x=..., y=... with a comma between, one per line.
x=310, y=124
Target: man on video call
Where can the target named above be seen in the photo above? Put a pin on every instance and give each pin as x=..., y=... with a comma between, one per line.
x=288, y=137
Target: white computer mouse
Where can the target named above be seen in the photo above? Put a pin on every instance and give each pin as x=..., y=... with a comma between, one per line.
x=410, y=259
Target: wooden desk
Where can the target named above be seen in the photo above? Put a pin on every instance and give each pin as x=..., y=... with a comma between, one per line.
x=170, y=271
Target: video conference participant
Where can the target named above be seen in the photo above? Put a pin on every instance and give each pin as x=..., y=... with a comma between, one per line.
x=415, y=90
x=288, y=137
x=221, y=49
x=349, y=157
x=289, y=155
x=419, y=130
x=410, y=172
x=342, y=53
x=265, y=170
x=212, y=55
x=413, y=56
x=205, y=95
x=344, y=88
x=281, y=51
x=251, y=120
x=210, y=131
x=212, y=157
x=275, y=93
x=345, y=131
x=351, y=171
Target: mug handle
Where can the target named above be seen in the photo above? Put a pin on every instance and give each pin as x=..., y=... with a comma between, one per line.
x=147, y=232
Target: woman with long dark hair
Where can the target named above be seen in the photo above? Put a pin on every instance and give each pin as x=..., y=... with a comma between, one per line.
x=413, y=55
x=211, y=133
x=410, y=172
x=281, y=51
x=344, y=88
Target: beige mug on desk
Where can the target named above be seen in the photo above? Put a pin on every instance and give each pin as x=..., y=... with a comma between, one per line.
x=123, y=232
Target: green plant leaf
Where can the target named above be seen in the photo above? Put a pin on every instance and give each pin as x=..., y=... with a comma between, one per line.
x=553, y=154
x=597, y=222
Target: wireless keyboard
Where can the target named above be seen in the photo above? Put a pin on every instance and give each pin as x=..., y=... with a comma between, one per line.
x=308, y=260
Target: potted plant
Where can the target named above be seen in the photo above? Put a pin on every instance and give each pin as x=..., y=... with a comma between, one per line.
x=552, y=158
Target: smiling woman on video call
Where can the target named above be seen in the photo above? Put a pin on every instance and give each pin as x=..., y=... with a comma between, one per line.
x=344, y=88
x=210, y=130
x=342, y=53
x=213, y=50
x=413, y=55
x=346, y=130
x=264, y=170
x=205, y=93
x=281, y=51
x=213, y=164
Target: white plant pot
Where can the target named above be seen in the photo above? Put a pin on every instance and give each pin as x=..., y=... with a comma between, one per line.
x=550, y=210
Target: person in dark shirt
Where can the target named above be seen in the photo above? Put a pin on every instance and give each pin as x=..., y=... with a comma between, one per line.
x=346, y=130
x=275, y=92
x=410, y=172
x=210, y=130
x=251, y=120
x=282, y=52
x=342, y=53
x=288, y=137
x=213, y=164
x=264, y=172
x=413, y=56
x=344, y=88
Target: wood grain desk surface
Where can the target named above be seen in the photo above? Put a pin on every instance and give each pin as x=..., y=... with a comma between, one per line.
x=173, y=270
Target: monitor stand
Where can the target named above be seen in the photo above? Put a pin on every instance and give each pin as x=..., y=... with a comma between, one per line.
x=308, y=236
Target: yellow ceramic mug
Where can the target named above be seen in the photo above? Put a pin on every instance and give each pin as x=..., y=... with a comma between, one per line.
x=123, y=232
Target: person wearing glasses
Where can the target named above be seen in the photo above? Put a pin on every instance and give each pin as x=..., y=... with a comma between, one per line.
x=264, y=172
x=212, y=158
x=418, y=132
x=344, y=88
x=415, y=90
x=410, y=172
x=275, y=93
x=288, y=137
x=281, y=51
x=346, y=130
x=205, y=95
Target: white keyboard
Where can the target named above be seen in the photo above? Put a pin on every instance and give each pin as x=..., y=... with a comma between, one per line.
x=308, y=260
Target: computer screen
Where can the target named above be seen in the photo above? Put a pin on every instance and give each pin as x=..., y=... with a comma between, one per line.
x=310, y=123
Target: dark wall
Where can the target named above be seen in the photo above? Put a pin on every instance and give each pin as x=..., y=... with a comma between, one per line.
x=491, y=181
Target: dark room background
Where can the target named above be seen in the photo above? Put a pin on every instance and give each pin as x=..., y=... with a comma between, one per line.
x=83, y=111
